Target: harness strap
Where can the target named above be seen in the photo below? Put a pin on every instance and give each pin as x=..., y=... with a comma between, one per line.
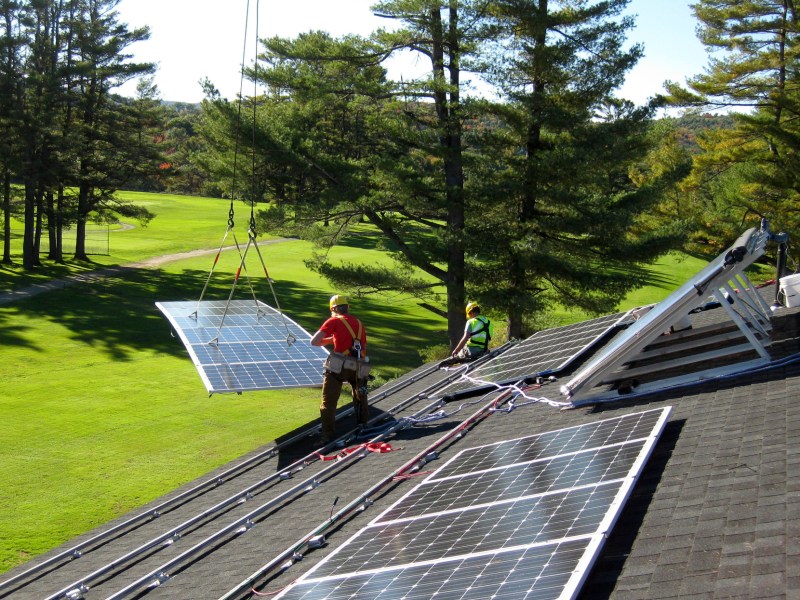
x=484, y=328
x=356, y=339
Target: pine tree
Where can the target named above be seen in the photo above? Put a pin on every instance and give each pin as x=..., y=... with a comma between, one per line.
x=11, y=44
x=399, y=157
x=565, y=206
x=103, y=147
x=757, y=75
x=62, y=127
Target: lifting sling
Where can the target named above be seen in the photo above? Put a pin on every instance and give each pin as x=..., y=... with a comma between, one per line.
x=251, y=232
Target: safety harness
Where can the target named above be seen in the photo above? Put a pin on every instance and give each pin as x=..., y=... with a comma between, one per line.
x=337, y=362
x=483, y=345
x=356, y=338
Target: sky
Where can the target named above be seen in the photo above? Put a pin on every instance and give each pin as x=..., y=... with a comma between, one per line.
x=194, y=39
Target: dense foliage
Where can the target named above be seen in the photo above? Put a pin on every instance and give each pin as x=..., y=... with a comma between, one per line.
x=68, y=142
x=750, y=170
x=519, y=202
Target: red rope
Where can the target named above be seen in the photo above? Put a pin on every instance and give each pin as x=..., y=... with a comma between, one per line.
x=377, y=447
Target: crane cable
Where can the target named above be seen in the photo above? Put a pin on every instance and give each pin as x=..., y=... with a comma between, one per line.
x=251, y=233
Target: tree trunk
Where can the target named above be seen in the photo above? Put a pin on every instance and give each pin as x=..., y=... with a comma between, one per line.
x=533, y=147
x=52, y=237
x=84, y=204
x=29, y=258
x=84, y=196
x=448, y=114
x=59, y=225
x=37, y=237
x=7, y=218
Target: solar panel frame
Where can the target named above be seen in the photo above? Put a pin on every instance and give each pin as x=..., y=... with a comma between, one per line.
x=422, y=553
x=541, y=572
x=543, y=353
x=669, y=311
x=244, y=345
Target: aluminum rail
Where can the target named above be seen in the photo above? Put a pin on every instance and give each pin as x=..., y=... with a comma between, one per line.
x=294, y=553
x=119, y=530
x=79, y=550
x=82, y=585
x=162, y=573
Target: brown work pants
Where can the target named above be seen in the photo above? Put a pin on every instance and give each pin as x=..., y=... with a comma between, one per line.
x=331, y=390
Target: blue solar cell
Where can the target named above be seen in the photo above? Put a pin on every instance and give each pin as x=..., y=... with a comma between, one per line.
x=565, y=471
x=523, y=573
x=486, y=527
x=528, y=522
x=553, y=443
x=245, y=346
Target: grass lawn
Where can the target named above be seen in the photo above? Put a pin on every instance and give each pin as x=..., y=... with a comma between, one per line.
x=182, y=223
x=666, y=275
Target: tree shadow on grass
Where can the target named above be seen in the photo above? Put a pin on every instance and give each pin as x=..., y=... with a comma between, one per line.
x=13, y=335
x=366, y=239
x=14, y=276
x=649, y=276
x=117, y=313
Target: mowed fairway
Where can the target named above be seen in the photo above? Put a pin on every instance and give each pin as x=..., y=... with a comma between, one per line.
x=101, y=409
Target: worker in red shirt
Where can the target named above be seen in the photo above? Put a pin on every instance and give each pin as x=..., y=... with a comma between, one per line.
x=349, y=340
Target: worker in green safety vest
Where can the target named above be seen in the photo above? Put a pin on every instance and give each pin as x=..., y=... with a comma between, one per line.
x=477, y=335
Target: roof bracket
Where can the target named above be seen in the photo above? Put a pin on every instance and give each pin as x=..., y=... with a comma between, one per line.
x=750, y=321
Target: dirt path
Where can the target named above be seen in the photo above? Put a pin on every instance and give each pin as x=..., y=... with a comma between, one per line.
x=90, y=276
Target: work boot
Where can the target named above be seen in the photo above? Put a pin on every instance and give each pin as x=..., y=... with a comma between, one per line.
x=361, y=411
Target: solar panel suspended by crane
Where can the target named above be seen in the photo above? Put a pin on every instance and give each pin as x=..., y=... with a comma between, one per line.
x=245, y=345
x=242, y=345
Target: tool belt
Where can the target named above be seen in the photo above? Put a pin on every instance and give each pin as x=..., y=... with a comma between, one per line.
x=338, y=362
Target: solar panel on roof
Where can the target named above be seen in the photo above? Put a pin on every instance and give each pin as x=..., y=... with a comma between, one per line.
x=245, y=345
x=541, y=572
x=543, y=353
x=715, y=277
x=607, y=432
x=520, y=519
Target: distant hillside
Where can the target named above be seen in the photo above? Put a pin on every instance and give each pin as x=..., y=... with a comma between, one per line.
x=691, y=125
x=182, y=106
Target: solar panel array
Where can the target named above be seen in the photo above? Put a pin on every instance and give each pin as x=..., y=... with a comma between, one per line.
x=543, y=353
x=245, y=345
x=519, y=519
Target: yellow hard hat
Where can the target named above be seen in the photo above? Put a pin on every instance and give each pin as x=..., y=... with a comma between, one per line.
x=338, y=300
x=472, y=306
